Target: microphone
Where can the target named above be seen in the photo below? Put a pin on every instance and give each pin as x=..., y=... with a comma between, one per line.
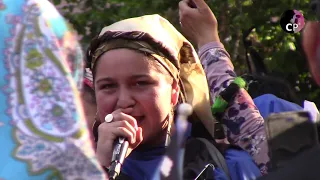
x=118, y=155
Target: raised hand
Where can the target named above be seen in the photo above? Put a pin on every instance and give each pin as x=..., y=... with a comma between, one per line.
x=122, y=125
x=198, y=23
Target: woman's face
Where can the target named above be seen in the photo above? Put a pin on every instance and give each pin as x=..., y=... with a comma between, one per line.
x=125, y=78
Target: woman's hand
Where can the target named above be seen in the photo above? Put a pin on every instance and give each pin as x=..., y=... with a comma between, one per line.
x=198, y=24
x=122, y=125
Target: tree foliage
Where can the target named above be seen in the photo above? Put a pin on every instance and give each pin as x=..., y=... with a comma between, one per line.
x=282, y=52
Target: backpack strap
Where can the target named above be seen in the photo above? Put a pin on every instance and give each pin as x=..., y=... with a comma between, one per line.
x=216, y=156
x=198, y=153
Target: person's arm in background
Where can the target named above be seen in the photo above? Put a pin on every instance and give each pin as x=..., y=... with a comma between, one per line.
x=245, y=126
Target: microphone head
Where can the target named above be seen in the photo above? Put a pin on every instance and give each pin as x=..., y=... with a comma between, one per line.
x=185, y=109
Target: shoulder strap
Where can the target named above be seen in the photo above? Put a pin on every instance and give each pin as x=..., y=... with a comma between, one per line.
x=200, y=152
x=216, y=156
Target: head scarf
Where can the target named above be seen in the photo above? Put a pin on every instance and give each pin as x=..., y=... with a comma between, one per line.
x=43, y=133
x=155, y=35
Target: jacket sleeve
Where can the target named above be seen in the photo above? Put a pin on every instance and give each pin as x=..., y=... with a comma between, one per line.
x=243, y=122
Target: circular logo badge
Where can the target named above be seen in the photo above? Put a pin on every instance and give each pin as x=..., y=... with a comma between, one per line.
x=292, y=21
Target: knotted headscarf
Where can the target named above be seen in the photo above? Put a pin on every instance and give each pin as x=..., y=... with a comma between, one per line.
x=156, y=36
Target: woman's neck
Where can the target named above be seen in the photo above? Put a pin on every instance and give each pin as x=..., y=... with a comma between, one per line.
x=159, y=139
x=155, y=141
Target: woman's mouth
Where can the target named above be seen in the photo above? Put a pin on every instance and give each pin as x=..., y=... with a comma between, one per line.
x=139, y=119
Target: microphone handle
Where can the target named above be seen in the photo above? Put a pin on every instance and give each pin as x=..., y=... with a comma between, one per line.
x=118, y=156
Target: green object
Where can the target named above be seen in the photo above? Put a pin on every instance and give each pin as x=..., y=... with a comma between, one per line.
x=240, y=82
x=219, y=105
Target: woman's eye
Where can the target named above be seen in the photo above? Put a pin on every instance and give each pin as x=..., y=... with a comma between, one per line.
x=107, y=86
x=142, y=83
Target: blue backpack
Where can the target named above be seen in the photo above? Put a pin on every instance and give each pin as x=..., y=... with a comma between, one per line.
x=269, y=103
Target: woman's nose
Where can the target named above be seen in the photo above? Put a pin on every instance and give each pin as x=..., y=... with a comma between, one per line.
x=125, y=99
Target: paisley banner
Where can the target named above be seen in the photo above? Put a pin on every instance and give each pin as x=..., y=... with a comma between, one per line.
x=43, y=133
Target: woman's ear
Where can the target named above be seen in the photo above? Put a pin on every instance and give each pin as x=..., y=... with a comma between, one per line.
x=175, y=93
